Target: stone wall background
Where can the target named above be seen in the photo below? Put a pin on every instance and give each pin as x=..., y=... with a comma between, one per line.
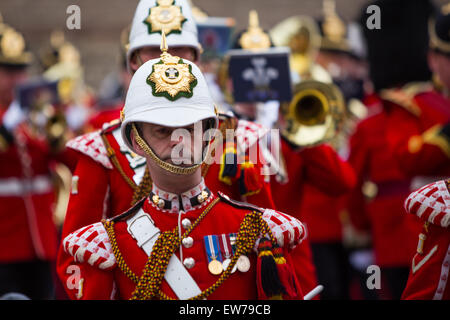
x=103, y=20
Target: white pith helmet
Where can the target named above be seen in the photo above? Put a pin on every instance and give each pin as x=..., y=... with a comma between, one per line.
x=156, y=103
x=141, y=34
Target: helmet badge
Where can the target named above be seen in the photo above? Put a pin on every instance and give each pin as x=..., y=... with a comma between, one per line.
x=171, y=77
x=165, y=17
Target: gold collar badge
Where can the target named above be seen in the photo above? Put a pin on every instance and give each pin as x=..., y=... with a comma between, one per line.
x=171, y=77
x=165, y=16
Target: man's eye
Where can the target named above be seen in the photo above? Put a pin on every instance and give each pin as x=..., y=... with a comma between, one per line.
x=163, y=131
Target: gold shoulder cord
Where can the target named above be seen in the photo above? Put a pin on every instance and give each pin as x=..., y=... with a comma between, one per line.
x=149, y=283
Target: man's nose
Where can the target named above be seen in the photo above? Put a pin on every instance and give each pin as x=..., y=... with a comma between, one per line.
x=175, y=140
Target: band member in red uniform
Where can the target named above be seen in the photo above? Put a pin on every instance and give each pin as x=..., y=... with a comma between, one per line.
x=323, y=213
x=421, y=142
x=27, y=190
x=312, y=164
x=428, y=278
x=121, y=178
x=182, y=240
x=395, y=59
x=315, y=165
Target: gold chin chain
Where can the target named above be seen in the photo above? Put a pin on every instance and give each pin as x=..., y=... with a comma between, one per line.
x=165, y=165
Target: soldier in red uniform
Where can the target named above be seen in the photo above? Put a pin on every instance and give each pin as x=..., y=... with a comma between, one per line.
x=314, y=170
x=422, y=139
x=27, y=192
x=319, y=166
x=377, y=202
x=121, y=175
x=324, y=212
x=428, y=278
x=183, y=241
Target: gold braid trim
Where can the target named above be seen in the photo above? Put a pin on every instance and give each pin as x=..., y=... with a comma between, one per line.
x=149, y=284
x=112, y=156
x=144, y=187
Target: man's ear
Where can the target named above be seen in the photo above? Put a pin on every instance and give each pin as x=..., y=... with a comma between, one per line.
x=136, y=147
x=135, y=61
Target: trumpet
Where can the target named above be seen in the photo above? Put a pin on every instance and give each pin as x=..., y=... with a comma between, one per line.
x=314, y=115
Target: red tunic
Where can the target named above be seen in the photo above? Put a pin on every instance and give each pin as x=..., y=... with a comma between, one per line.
x=103, y=279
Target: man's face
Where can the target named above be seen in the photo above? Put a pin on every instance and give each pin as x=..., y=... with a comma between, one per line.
x=10, y=78
x=181, y=146
x=440, y=65
x=145, y=54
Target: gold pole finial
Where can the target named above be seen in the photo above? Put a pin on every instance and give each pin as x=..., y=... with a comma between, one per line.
x=329, y=7
x=253, y=20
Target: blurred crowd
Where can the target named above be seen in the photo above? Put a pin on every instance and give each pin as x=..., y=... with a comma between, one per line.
x=367, y=124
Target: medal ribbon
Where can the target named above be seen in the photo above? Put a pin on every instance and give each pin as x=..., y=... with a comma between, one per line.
x=225, y=246
x=232, y=239
x=212, y=248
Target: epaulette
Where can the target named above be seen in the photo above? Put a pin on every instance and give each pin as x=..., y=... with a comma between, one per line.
x=91, y=245
x=130, y=212
x=431, y=203
x=405, y=95
x=238, y=204
x=92, y=145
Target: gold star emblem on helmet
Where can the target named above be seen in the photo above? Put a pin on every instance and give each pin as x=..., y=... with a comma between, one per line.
x=171, y=77
x=165, y=16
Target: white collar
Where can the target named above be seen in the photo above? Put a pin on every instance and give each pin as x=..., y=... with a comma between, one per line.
x=186, y=201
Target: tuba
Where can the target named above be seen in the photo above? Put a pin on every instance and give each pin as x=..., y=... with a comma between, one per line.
x=314, y=115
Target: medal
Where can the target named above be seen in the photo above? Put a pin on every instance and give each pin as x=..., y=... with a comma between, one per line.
x=213, y=253
x=243, y=263
x=215, y=267
x=226, y=263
